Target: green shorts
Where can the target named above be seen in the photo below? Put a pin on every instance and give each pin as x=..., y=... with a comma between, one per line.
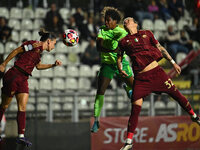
x=108, y=70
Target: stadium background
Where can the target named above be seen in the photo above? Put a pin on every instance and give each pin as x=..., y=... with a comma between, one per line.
x=58, y=117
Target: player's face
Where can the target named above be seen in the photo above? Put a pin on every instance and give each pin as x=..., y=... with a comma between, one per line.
x=51, y=44
x=110, y=23
x=130, y=23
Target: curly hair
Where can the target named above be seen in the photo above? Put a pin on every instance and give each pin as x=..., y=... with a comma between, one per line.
x=112, y=12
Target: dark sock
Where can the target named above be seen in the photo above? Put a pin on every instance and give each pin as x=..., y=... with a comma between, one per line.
x=21, y=121
x=133, y=119
x=183, y=102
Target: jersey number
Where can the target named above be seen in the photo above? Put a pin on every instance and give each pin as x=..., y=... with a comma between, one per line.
x=169, y=83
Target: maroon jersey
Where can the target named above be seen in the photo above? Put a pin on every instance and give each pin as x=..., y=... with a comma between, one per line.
x=141, y=48
x=30, y=57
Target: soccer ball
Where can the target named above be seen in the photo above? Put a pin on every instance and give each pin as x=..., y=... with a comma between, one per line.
x=70, y=37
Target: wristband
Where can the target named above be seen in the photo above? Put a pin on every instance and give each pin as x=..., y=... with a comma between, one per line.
x=53, y=65
x=172, y=61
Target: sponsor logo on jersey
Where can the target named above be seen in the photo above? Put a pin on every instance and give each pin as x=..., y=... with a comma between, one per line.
x=144, y=35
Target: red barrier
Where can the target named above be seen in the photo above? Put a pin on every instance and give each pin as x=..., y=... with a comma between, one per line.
x=184, y=63
x=152, y=133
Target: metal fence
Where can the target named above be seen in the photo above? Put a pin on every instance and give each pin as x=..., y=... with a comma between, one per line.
x=79, y=105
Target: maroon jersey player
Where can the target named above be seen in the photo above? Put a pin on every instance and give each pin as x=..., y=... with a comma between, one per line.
x=144, y=51
x=15, y=80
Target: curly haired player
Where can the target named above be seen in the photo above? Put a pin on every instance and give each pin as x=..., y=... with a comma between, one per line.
x=107, y=43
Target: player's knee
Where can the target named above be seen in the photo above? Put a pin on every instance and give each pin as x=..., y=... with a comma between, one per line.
x=22, y=108
x=5, y=106
x=100, y=92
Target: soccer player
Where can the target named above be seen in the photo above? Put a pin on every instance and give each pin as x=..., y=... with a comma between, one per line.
x=144, y=51
x=107, y=43
x=15, y=80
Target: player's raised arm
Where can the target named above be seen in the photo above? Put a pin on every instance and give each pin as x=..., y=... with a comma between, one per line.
x=41, y=66
x=168, y=57
x=10, y=56
x=119, y=63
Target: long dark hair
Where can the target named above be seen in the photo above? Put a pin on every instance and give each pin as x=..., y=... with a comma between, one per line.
x=45, y=35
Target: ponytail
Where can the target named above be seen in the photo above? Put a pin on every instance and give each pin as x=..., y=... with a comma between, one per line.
x=45, y=35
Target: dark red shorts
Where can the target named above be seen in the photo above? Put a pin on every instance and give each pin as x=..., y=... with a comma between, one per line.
x=14, y=82
x=155, y=80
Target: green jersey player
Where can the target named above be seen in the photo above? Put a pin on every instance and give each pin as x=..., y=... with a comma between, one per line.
x=107, y=44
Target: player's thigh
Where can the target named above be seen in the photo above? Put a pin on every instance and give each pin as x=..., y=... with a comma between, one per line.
x=107, y=70
x=5, y=101
x=138, y=102
x=141, y=89
x=103, y=83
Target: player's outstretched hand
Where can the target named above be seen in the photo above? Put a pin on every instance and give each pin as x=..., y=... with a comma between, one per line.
x=58, y=63
x=177, y=68
x=123, y=73
x=2, y=70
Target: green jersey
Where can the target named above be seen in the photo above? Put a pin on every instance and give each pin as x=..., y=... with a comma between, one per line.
x=111, y=38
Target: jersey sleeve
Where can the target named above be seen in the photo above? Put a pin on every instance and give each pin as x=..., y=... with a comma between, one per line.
x=119, y=34
x=27, y=46
x=152, y=37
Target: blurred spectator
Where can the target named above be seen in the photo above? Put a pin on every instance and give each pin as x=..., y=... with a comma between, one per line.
x=72, y=24
x=5, y=30
x=164, y=10
x=78, y=16
x=50, y=19
x=141, y=11
x=33, y=4
x=100, y=22
x=194, y=29
x=91, y=55
x=56, y=27
x=176, y=8
x=173, y=44
x=185, y=39
x=154, y=9
x=92, y=32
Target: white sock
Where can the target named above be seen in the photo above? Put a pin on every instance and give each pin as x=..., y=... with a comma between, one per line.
x=128, y=141
x=194, y=116
x=21, y=135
